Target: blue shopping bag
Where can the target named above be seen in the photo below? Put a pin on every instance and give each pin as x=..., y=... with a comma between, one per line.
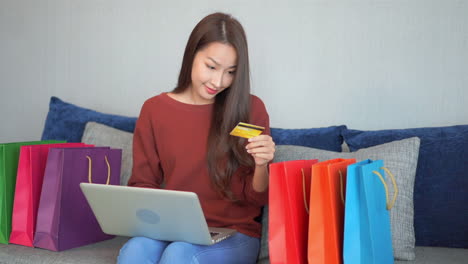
x=367, y=234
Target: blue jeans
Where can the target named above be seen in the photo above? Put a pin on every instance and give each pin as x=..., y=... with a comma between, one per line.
x=239, y=248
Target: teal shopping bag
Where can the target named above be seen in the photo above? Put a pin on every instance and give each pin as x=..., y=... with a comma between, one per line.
x=9, y=156
x=367, y=231
x=352, y=218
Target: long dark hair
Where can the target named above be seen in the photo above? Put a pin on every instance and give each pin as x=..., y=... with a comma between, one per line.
x=225, y=153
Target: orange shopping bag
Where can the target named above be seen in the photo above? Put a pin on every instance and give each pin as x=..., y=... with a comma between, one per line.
x=31, y=167
x=288, y=215
x=325, y=245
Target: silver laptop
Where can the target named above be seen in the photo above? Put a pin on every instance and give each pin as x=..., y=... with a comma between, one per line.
x=155, y=213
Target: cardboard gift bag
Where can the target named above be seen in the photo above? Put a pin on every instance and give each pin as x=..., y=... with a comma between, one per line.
x=31, y=167
x=326, y=211
x=9, y=156
x=64, y=218
x=367, y=234
x=288, y=211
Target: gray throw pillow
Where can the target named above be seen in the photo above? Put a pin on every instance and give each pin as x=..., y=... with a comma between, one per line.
x=400, y=157
x=102, y=135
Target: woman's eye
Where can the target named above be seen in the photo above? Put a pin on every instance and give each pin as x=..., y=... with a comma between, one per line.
x=210, y=67
x=231, y=72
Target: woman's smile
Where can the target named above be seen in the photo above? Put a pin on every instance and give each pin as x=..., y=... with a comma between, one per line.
x=210, y=91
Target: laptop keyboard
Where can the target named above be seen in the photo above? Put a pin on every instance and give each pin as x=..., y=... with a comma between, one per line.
x=214, y=234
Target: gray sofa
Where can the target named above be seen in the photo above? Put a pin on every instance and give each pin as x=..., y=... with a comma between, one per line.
x=107, y=251
x=64, y=120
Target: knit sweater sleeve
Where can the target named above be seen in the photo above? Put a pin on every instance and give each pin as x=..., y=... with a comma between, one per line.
x=146, y=171
x=259, y=117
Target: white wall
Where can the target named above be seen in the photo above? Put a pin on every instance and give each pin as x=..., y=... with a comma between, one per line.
x=369, y=64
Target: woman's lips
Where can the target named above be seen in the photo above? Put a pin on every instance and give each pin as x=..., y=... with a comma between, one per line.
x=210, y=91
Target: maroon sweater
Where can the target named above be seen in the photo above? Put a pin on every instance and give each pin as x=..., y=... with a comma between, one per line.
x=170, y=146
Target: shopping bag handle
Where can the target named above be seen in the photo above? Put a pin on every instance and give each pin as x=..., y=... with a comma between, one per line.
x=389, y=206
x=341, y=187
x=89, y=169
x=304, y=191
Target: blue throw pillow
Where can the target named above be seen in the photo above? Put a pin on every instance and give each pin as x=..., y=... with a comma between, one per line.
x=441, y=184
x=67, y=121
x=327, y=138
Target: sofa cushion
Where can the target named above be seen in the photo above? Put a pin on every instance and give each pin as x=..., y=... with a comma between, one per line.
x=438, y=255
x=101, y=252
x=400, y=157
x=441, y=184
x=102, y=135
x=327, y=138
x=67, y=121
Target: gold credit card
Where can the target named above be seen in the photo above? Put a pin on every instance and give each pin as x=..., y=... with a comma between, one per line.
x=246, y=130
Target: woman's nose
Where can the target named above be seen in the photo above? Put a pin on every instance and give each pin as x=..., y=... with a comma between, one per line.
x=217, y=79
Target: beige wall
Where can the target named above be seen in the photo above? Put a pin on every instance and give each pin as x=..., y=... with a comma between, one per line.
x=369, y=64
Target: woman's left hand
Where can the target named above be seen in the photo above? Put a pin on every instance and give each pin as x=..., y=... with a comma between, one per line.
x=262, y=149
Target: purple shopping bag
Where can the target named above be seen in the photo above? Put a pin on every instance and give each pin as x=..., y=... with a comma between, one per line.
x=31, y=167
x=64, y=218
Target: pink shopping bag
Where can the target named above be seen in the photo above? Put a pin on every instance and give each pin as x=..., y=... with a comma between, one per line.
x=31, y=167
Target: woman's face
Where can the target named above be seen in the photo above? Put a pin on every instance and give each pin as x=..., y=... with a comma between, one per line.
x=213, y=70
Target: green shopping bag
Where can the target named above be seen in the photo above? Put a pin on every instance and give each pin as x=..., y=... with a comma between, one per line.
x=9, y=155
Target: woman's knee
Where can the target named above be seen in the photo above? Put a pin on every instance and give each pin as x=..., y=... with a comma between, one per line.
x=179, y=252
x=141, y=250
x=238, y=249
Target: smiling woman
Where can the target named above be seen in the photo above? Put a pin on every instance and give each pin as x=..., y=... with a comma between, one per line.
x=213, y=71
x=181, y=141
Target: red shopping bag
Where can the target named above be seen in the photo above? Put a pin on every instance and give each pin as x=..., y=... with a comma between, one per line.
x=288, y=211
x=31, y=167
x=325, y=245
